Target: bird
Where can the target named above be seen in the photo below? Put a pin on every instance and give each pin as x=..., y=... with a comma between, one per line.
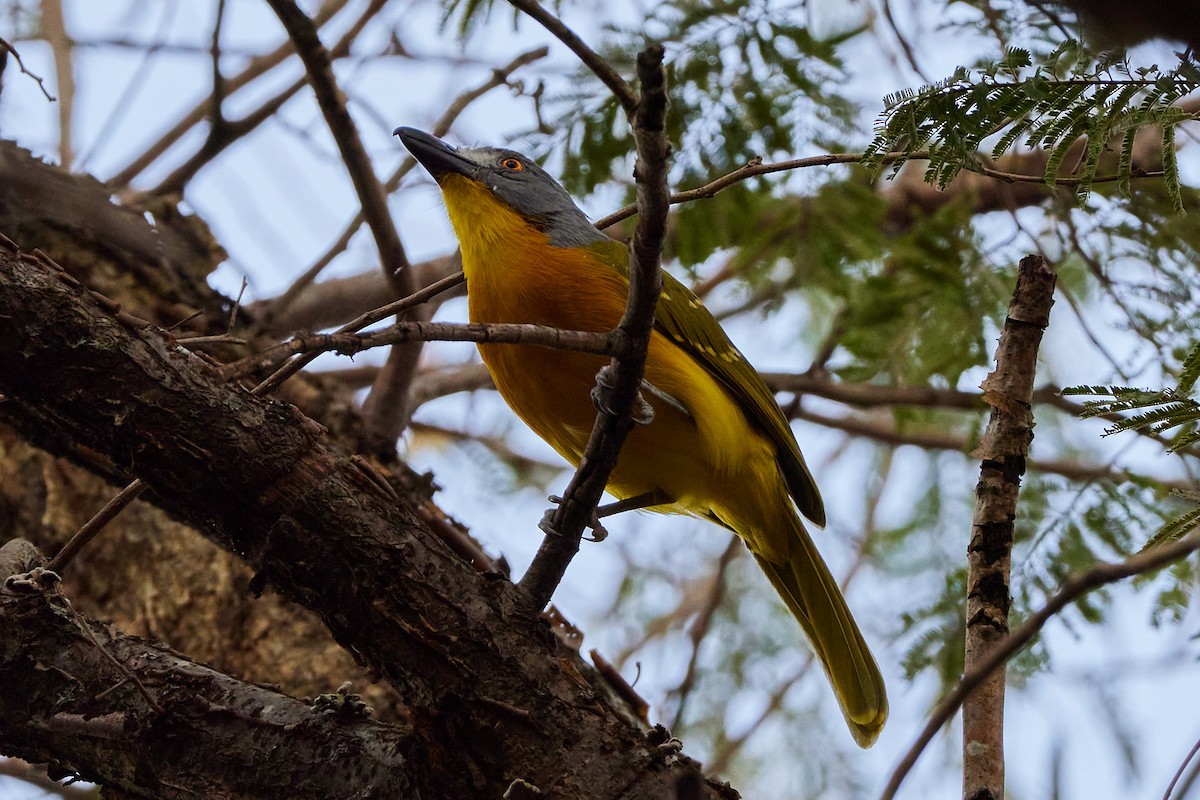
x=716, y=445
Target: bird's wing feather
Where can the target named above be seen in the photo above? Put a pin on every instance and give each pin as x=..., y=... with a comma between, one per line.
x=683, y=319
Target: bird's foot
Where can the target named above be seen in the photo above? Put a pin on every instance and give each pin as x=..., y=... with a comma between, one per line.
x=599, y=532
x=663, y=742
x=643, y=412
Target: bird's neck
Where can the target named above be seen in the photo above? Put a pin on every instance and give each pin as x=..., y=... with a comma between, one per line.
x=485, y=226
x=515, y=273
x=501, y=252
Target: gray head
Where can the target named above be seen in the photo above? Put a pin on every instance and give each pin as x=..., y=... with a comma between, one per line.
x=515, y=179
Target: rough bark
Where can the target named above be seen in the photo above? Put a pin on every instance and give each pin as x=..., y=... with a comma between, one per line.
x=149, y=574
x=125, y=712
x=1003, y=451
x=488, y=687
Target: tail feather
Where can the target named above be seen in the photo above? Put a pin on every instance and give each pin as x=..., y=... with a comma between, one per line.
x=813, y=597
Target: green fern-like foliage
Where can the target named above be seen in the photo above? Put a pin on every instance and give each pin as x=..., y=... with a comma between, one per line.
x=1071, y=96
x=1154, y=412
x=746, y=80
x=1171, y=411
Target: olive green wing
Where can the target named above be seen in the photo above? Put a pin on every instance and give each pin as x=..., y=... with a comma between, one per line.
x=683, y=319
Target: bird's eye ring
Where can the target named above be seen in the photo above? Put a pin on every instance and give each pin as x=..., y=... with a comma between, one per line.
x=513, y=164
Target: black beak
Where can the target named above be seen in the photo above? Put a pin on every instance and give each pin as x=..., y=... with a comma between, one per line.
x=434, y=154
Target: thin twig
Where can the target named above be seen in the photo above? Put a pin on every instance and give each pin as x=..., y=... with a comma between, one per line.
x=756, y=167
x=701, y=627
x=593, y=60
x=386, y=411
x=358, y=323
x=637, y=704
x=4, y=45
x=569, y=517
x=312, y=344
x=905, y=47
x=1179, y=772
x=332, y=101
x=82, y=625
x=137, y=80
x=224, y=132
x=888, y=433
x=94, y=525
x=1072, y=589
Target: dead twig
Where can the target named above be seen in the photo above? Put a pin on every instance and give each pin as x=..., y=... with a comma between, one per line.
x=8, y=48
x=1003, y=451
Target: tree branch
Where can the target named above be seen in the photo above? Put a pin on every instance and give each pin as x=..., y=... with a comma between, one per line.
x=591, y=59
x=347, y=344
x=1003, y=451
x=757, y=167
x=889, y=434
x=258, y=66
x=5, y=47
x=319, y=65
x=386, y=410
x=54, y=27
x=623, y=376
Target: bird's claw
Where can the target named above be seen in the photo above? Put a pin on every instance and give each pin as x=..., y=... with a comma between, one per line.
x=599, y=532
x=663, y=742
x=643, y=412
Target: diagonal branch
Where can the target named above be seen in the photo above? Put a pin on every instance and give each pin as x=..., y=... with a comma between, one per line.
x=593, y=60
x=258, y=66
x=223, y=132
x=5, y=49
x=371, y=195
x=623, y=376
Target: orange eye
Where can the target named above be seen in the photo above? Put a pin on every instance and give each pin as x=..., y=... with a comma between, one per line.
x=511, y=163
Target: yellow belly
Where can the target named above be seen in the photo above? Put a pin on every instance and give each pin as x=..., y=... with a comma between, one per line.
x=711, y=461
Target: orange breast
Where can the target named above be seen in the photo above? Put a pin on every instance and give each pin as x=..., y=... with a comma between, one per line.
x=709, y=458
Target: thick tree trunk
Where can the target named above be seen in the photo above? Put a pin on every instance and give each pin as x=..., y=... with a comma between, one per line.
x=489, y=689
x=149, y=574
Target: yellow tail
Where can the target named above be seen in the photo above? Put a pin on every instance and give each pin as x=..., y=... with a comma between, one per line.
x=808, y=588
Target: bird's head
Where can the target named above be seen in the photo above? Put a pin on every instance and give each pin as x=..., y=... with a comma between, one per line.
x=482, y=182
